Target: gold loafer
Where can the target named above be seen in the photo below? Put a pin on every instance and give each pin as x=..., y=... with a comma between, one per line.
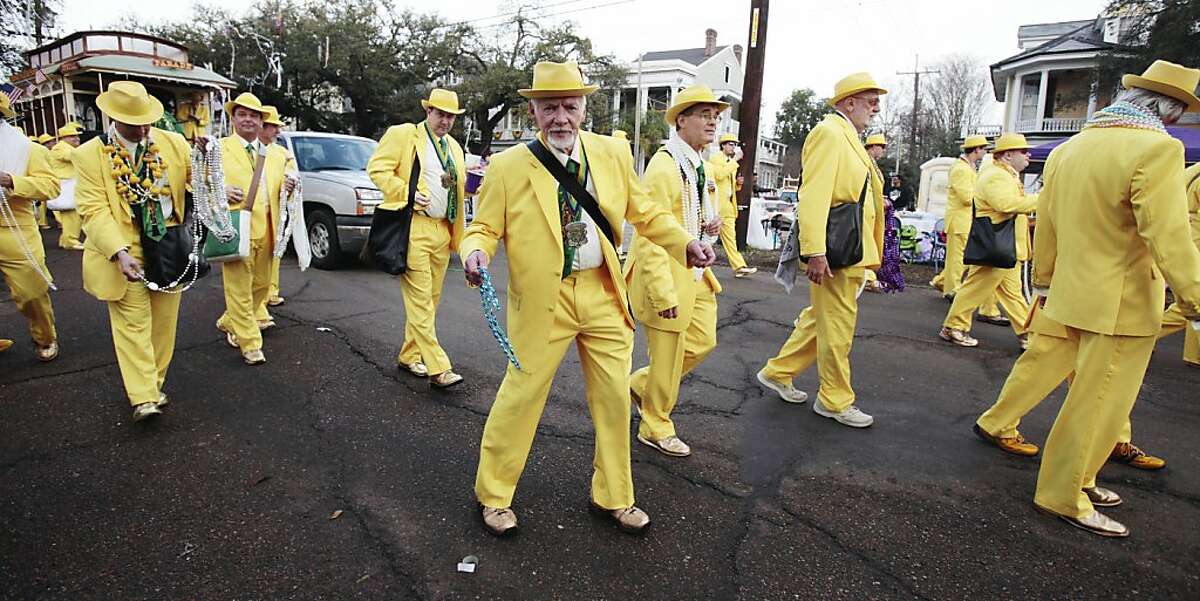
x=1015, y=444
x=499, y=521
x=671, y=446
x=145, y=410
x=1097, y=523
x=1102, y=497
x=629, y=519
x=47, y=353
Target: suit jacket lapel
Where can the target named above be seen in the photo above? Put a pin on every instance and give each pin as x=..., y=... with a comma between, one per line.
x=545, y=189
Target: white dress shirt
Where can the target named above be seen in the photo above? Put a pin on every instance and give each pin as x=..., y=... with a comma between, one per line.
x=431, y=177
x=591, y=254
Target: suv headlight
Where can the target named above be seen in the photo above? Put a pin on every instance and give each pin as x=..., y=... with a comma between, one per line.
x=368, y=194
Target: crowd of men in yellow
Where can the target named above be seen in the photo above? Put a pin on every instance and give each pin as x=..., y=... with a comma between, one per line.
x=568, y=285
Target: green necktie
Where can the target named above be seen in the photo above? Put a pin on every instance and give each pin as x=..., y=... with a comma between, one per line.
x=452, y=193
x=250, y=152
x=567, y=209
x=701, y=181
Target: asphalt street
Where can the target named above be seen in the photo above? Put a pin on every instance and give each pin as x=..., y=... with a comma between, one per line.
x=327, y=474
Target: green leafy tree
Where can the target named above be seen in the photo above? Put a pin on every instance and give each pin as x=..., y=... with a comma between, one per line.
x=25, y=24
x=1150, y=30
x=801, y=112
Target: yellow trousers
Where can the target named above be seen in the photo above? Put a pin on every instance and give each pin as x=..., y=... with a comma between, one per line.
x=246, y=283
x=143, y=331
x=261, y=313
x=824, y=333
x=672, y=356
x=421, y=286
x=72, y=229
x=1108, y=374
x=951, y=277
x=729, y=242
x=983, y=281
x=589, y=314
x=1173, y=321
x=29, y=291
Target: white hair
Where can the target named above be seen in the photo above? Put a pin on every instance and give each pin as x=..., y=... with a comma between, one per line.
x=1168, y=109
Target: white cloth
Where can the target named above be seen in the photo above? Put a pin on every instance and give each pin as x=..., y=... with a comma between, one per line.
x=14, y=150
x=66, y=197
x=164, y=202
x=431, y=176
x=688, y=160
x=591, y=254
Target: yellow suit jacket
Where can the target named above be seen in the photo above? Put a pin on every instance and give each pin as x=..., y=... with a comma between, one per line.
x=835, y=166
x=193, y=117
x=999, y=196
x=38, y=183
x=1192, y=176
x=107, y=219
x=238, y=168
x=724, y=170
x=657, y=283
x=1108, y=222
x=391, y=165
x=518, y=204
x=959, y=196
x=60, y=160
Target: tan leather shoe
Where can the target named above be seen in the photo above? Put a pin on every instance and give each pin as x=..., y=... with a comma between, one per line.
x=266, y=324
x=47, y=353
x=500, y=521
x=996, y=320
x=230, y=339
x=745, y=271
x=145, y=410
x=628, y=519
x=1129, y=454
x=416, y=368
x=1102, y=497
x=275, y=301
x=670, y=445
x=1096, y=523
x=1015, y=444
x=958, y=337
x=254, y=357
x=5, y=344
x=445, y=379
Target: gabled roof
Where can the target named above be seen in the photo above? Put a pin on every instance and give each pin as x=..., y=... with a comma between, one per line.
x=1041, y=30
x=693, y=56
x=1085, y=37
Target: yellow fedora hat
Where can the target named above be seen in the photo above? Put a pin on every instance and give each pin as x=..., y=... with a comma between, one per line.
x=443, y=100
x=70, y=129
x=620, y=134
x=128, y=102
x=853, y=84
x=553, y=80
x=728, y=138
x=972, y=142
x=875, y=140
x=691, y=96
x=6, y=108
x=271, y=116
x=1176, y=81
x=246, y=100
x=42, y=139
x=1010, y=141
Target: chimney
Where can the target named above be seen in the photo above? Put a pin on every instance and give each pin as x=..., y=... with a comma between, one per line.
x=737, y=51
x=710, y=42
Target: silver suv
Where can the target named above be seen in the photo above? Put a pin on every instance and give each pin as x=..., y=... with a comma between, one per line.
x=339, y=198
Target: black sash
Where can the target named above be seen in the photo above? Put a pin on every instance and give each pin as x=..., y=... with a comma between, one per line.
x=577, y=191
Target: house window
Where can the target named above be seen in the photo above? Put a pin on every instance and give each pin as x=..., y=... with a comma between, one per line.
x=1030, y=86
x=102, y=42
x=726, y=73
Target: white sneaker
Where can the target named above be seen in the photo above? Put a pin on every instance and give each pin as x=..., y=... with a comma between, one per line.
x=852, y=416
x=787, y=392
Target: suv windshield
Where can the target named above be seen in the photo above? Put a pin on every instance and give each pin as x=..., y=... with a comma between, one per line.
x=332, y=153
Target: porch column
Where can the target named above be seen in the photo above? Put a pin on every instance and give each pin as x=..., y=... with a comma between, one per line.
x=1041, y=106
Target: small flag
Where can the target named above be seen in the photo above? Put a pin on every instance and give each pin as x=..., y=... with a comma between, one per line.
x=39, y=76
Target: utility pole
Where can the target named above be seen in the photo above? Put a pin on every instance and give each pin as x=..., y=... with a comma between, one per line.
x=756, y=56
x=638, y=164
x=916, y=112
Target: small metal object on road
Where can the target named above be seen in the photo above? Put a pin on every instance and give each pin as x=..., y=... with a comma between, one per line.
x=467, y=565
x=324, y=329
x=335, y=515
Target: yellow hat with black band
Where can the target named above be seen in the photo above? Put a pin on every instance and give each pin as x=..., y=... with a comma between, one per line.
x=70, y=129
x=852, y=84
x=1010, y=141
x=973, y=142
x=42, y=139
x=691, y=96
x=443, y=100
x=246, y=100
x=1169, y=79
x=728, y=138
x=556, y=80
x=271, y=116
x=128, y=102
x=6, y=108
x=875, y=140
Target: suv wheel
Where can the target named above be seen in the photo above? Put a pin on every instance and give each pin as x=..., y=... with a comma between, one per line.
x=323, y=239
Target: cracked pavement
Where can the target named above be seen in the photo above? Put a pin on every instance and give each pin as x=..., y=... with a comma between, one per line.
x=232, y=493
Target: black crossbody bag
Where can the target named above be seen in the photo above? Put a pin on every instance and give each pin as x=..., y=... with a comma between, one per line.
x=843, y=232
x=574, y=188
x=991, y=244
x=387, y=243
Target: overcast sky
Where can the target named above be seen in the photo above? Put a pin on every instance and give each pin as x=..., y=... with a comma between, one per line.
x=809, y=43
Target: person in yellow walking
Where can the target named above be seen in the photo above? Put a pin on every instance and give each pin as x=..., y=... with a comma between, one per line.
x=1173, y=319
x=267, y=136
x=437, y=224
x=193, y=116
x=564, y=287
x=26, y=177
x=118, y=209
x=725, y=173
x=43, y=221
x=247, y=281
x=1113, y=226
x=999, y=196
x=838, y=174
x=876, y=145
x=677, y=305
x=60, y=161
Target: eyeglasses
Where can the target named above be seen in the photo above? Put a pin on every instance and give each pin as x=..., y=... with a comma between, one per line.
x=707, y=116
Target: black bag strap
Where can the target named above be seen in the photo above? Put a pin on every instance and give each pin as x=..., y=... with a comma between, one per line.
x=577, y=191
x=412, y=181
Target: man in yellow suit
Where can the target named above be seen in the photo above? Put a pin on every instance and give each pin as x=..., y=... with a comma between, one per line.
x=725, y=173
x=267, y=136
x=876, y=145
x=1173, y=319
x=677, y=305
x=248, y=281
x=837, y=171
x=46, y=141
x=1113, y=226
x=26, y=177
x=564, y=286
x=60, y=161
x=436, y=227
x=115, y=217
x=193, y=116
x=999, y=196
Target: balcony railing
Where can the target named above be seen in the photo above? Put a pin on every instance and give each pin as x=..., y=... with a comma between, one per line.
x=1067, y=124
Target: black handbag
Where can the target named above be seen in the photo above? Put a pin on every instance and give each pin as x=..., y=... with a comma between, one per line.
x=991, y=244
x=168, y=260
x=387, y=243
x=843, y=232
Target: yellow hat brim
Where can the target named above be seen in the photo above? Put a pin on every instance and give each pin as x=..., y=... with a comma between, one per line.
x=1000, y=149
x=1185, y=96
x=674, y=111
x=425, y=104
x=155, y=112
x=558, y=93
x=858, y=90
x=229, y=106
